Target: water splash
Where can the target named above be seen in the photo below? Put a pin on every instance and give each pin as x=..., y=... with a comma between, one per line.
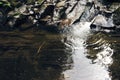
x=83, y=69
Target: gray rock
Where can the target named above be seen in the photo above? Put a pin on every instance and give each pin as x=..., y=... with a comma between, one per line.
x=60, y=4
x=101, y=23
x=116, y=17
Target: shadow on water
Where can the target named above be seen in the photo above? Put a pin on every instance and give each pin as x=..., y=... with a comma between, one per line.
x=115, y=44
x=33, y=55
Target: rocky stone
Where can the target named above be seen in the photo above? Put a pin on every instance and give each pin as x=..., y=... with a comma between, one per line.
x=101, y=23
x=60, y=4
x=74, y=13
x=100, y=20
x=116, y=17
x=48, y=11
x=60, y=13
x=65, y=23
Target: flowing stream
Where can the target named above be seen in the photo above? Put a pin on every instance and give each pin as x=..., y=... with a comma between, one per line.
x=84, y=68
x=76, y=54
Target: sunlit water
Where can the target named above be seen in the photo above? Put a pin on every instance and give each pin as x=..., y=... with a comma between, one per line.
x=84, y=68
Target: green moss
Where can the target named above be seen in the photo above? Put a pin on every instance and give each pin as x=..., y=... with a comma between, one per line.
x=40, y=1
x=5, y=4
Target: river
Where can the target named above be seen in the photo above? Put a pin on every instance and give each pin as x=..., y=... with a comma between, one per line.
x=78, y=53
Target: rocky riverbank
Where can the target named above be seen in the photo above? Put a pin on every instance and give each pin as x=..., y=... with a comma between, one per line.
x=56, y=15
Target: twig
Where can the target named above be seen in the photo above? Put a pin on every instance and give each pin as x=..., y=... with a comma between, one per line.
x=40, y=47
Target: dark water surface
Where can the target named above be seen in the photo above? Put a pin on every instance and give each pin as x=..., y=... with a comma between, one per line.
x=77, y=54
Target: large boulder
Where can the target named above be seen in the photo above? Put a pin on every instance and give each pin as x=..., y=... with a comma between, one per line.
x=101, y=23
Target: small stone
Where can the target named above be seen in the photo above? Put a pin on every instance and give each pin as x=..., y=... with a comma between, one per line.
x=60, y=4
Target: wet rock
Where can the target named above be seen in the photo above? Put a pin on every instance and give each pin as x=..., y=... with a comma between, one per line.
x=89, y=13
x=51, y=15
x=11, y=22
x=46, y=18
x=60, y=4
x=116, y=17
x=19, y=11
x=65, y=23
x=74, y=13
x=100, y=20
x=22, y=23
x=1, y=17
x=48, y=11
x=46, y=21
x=101, y=23
x=110, y=1
x=57, y=13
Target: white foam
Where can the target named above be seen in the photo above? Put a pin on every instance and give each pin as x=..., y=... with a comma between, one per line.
x=83, y=69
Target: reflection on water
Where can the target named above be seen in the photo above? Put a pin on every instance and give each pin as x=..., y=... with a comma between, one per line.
x=77, y=54
x=99, y=49
x=107, y=48
x=33, y=55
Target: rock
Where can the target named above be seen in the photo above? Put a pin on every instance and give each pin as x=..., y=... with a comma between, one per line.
x=59, y=13
x=47, y=18
x=23, y=23
x=65, y=22
x=48, y=11
x=1, y=16
x=116, y=17
x=60, y=4
x=111, y=1
x=102, y=24
x=3, y=20
x=21, y=9
x=102, y=28
x=100, y=20
x=46, y=21
x=75, y=13
x=11, y=22
x=18, y=11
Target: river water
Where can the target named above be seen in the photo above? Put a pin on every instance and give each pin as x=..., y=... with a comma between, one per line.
x=88, y=64
x=78, y=53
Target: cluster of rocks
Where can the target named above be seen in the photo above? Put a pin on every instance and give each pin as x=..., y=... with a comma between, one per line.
x=108, y=19
x=19, y=14
x=57, y=15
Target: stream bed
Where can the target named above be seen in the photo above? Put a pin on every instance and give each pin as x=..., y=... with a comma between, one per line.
x=75, y=54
